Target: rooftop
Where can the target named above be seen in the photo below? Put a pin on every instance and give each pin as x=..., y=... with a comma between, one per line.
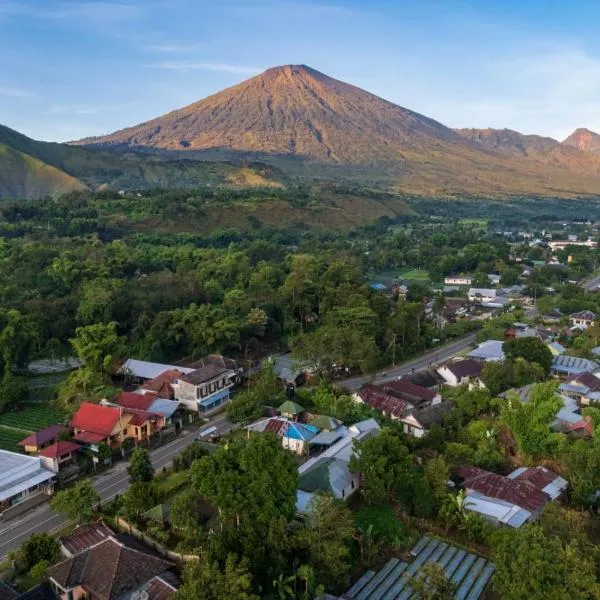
x=19, y=473
x=406, y=389
x=39, y=438
x=469, y=572
x=96, y=418
x=572, y=364
x=84, y=537
x=464, y=368
x=143, y=369
x=134, y=400
x=491, y=350
x=290, y=407
x=205, y=373
x=59, y=449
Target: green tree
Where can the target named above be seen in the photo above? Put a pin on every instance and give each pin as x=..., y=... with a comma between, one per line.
x=140, y=467
x=98, y=346
x=383, y=462
x=437, y=474
x=510, y=373
x=84, y=385
x=77, y=502
x=39, y=547
x=532, y=349
x=532, y=565
x=183, y=461
x=203, y=580
x=13, y=391
x=137, y=499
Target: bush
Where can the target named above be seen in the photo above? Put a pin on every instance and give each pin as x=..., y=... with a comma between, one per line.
x=385, y=526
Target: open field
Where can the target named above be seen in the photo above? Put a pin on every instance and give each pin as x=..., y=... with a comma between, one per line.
x=9, y=438
x=414, y=275
x=14, y=426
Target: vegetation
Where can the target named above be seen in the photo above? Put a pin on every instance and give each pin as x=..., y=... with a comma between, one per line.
x=77, y=502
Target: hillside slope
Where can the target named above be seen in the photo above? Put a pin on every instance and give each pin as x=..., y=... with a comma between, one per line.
x=24, y=176
x=333, y=129
x=584, y=140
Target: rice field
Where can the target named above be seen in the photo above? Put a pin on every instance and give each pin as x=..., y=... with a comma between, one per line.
x=415, y=275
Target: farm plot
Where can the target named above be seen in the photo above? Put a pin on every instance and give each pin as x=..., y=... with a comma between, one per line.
x=14, y=426
x=415, y=275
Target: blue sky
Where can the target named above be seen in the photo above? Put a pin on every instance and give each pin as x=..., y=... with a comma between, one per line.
x=70, y=69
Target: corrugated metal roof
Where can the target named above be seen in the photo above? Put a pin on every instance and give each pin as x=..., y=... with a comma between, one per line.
x=469, y=572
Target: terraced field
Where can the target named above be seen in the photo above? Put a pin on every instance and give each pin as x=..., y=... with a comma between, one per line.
x=14, y=426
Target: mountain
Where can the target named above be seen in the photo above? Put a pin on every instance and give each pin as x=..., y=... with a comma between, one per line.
x=509, y=142
x=24, y=176
x=315, y=126
x=33, y=169
x=584, y=140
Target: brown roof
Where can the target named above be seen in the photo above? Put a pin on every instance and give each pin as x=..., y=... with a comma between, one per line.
x=383, y=402
x=464, y=368
x=205, y=373
x=59, y=449
x=162, y=384
x=407, y=390
x=84, y=537
x=516, y=491
x=588, y=379
x=218, y=360
x=159, y=589
x=39, y=438
x=538, y=476
x=108, y=570
x=432, y=414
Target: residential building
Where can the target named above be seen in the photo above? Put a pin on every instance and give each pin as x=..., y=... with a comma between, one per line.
x=95, y=423
x=291, y=410
x=21, y=478
x=329, y=471
x=568, y=366
x=494, y=278
x=110, y=570
x=35, y=442
x=83, y=537
x=458, y=280
x=584, y=318
x=162, y=385
x=460, y=372
x=482, y=295
x=224, y=362
x=512, y=500
x=206, y=388
x=171, y=412
x=583, y=387
x=469, y=573
x=489, y=351
x=416, y=407
x=59, y=456
x=562, y=244
x=556, y=348
x=294, y=436
x=143, y=370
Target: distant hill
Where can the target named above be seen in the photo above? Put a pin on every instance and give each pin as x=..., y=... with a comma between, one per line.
x=584, y=140
x=24, y=176
x=313, y=125
x=33, y=169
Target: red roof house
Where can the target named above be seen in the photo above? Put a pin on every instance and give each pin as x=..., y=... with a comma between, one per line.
x=94, y=423
x=162, y=385
x=59, y=455
x=40, y=439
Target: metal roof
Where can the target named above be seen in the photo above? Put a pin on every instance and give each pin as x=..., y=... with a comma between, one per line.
x=148, y=370
x=19, y=473
x=573, y=364
x=469, y=572
x=490, y=350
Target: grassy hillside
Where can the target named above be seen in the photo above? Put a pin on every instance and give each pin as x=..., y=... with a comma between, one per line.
x=23, y=176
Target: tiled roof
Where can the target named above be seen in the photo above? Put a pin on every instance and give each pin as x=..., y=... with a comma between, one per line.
x=158, y=589
x=218, y=360
x=39, y=438
x=585, y=426
x=384, y=403
x=519, y=492
x=88, y=437
x=95, y=418
x=538, y=476
x=205, y=373
x=59, y=449
x=133, y=400
x=464, y=368
x=432, y=414
x=84, y=537
x=108, y=570
x=139, y=417
x=584, y=314
x=403, y=388
x=589, y=380
x=162, y=385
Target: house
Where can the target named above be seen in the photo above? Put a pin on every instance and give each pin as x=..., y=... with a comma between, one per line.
x=521, y=330
x=143, y=424
x=512, y=500
x=324, y=422
x=162, y=385
x=170, y=412
x=562, y=244
x=21, y=479
x=458, y=280
x=460, y=372
x=41, y=439
x=291, y=410
x=294, y=436
x=142, y=370
x=59, y=456
x=494, y=278
x=330, y=472
x=110, y=570
x=568, y=366
x=584, y=318
x=469, y=572
x=218, y=360
x=583, y=429
x=416, y=407
x=554, y=316
x=83, y=538
x=482, y=295
x=206, y=388
x=489, y=351
x=583, y=387
x=95, y=423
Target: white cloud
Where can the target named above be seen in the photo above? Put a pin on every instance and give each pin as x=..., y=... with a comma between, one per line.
x=57, y=109
x=15, y=92
x=186, y=65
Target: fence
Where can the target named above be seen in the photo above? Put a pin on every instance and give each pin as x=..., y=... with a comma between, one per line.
x=152, y=543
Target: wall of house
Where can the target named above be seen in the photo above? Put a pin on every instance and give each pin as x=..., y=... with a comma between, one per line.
x=448, y=376
x=296, y=446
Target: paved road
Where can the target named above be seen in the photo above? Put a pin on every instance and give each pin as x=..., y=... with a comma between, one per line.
x=108, y=485
x=436, y=355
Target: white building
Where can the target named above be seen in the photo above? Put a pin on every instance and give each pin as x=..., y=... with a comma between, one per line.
x=460, y=372
x=482, y=295
x=458, y=280
x=21, y=477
